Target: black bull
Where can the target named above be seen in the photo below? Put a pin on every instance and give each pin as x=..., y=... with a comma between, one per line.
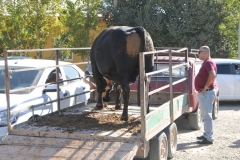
x=115, y=56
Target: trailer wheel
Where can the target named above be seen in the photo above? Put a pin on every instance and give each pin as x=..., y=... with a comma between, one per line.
x=215, y=109
x=171, y=132
x=195, y=120
x=158, y=147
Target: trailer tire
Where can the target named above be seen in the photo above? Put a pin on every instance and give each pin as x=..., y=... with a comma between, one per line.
x=195, y=120
x=171, y=132
x=215, y=109
x=158, y=147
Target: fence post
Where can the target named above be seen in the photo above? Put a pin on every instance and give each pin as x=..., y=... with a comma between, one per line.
x=57, y=80
x=7, y=87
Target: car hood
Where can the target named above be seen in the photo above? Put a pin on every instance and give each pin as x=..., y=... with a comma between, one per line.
x=15, y=100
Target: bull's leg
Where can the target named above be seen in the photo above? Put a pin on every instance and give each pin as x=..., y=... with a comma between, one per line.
x=118, y=91
x=125, y=91
x=101, y=84
x=106, y=94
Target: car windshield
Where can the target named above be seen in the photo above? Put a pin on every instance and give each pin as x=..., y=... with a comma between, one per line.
x=177, y=73
x=20, y=79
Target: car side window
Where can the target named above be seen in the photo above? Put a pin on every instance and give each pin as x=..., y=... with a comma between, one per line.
x=52, y=77
x=223, y=69
x=71, y=73
x=237, y=69
x=177, y=73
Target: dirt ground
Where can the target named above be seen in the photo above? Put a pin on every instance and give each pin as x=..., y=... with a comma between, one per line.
x=226, y=144
x=89, y=120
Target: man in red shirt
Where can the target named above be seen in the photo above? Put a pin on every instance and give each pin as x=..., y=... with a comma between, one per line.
x=205, y=84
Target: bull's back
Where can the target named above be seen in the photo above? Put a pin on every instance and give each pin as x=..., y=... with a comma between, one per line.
x=111, y=46
x=117, y=48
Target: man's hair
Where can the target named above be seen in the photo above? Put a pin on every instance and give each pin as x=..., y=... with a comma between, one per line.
x=206, y=49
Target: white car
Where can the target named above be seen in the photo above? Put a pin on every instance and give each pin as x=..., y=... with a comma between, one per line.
x=228, y=78
x=29, y=97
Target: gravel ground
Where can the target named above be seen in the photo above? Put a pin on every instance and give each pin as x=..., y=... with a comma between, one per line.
x=226, y=144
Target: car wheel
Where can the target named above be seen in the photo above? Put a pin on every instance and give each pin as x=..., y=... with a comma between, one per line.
x=215, y=109
x=33, y=117
x=171, y=132
x=195, y=120
x=158, y=147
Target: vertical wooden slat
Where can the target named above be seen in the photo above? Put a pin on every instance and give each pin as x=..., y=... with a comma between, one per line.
x=171, y=86
x=187, y=69
x=142, y=97
x=57, y=79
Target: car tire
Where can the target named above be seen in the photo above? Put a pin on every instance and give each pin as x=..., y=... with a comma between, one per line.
x=158, y=147
x=171, y=132
x=195, y=120
x=215, y=109
x=33, y=117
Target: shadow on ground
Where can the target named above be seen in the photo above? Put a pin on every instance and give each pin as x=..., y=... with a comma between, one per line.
x=235, y=144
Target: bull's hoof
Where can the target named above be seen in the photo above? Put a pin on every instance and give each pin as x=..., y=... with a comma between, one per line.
x=105, y=105
x=124, y=118
x=118, y=107
x=98, y=107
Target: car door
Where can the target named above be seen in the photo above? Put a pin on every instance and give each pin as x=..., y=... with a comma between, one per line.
x=237, y=81
x=226, y=81
x=76, y=85
x=51, y=93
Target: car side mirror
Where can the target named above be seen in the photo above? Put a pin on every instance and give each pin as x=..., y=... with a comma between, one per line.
x=50, y=88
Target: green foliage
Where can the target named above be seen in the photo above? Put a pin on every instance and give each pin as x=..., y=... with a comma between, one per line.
x=76, y=20
x=172, y=23
x=26, y=24
x=230, y=26
x=29, y=23
x=1, y=26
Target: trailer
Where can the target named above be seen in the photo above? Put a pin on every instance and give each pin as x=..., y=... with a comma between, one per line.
x=154, y=135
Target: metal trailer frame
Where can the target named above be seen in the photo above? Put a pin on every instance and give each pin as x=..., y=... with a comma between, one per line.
x=153, y=122
x=152, y=118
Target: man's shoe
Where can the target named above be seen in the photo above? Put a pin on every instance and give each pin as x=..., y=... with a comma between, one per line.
x=204, y=141
x=201, y=138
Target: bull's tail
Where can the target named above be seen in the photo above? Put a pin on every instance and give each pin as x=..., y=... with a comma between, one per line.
x=148, y=59
x=142, y=33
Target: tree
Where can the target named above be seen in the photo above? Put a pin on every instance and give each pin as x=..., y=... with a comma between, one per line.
x=195, y=23
x=181, y=23
x=76, y=20
x=1, y=26
x=229, y=28
x=27, y=24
